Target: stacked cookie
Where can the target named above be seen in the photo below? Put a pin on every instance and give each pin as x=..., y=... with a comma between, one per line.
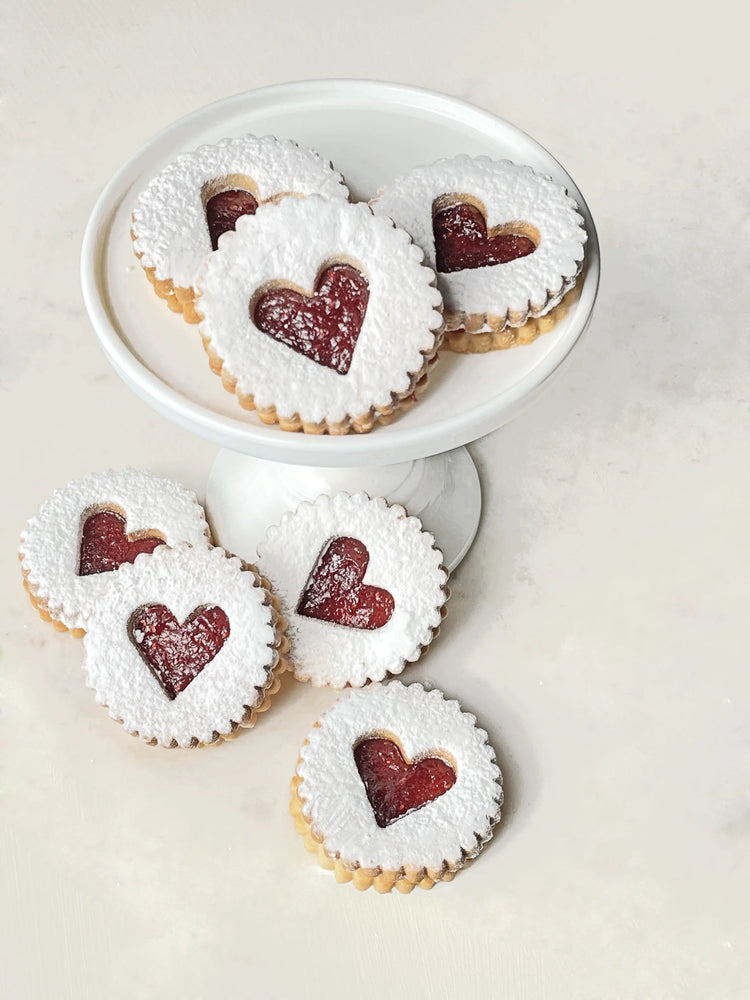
x=182, y=641
x=326, y=316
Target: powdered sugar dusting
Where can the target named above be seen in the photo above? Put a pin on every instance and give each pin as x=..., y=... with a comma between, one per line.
x=234, y=678
x=450, y=828
x=169, y=221
x=402, y=560
x=529, y=285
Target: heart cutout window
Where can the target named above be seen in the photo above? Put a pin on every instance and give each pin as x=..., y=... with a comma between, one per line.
x=106, y=544
x=396, y=786
x=177, y=652
x=324, y=325
x=225, y=199
x=463, y=241
x=335, y=592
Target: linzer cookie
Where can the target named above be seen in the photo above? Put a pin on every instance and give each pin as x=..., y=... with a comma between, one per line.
x=185, y=647
x=199, y=196
x=74, y=546
x=361, y=585
x=506, y=242
x=319, y=316
x=396, y=787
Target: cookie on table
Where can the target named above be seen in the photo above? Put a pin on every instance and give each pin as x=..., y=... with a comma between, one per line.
x=506, y=242
x=362, y=586
x=396, y=787
x=73, y=547
x=319, y=315
x=185, y=647
x=199, y=196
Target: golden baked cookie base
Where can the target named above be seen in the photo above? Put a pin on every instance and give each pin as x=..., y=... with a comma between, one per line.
x=471, y=338
x=382, y=880
x=358, y=424
x=179, y=300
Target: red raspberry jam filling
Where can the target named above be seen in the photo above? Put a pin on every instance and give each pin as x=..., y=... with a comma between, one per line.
x=176, y=653
x=105, y=544
x=462, y=242
x=335, y=592
x=323, y=326
x=394, y=786
x=223, y=210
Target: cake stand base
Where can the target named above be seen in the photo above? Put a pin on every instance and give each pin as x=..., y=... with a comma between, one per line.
x=245, y=495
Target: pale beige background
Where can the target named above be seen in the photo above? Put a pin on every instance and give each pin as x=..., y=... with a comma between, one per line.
x=598, y=628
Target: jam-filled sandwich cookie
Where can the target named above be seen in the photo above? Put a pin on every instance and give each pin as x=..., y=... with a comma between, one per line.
x=184, y=210
x=361, y=585
x=319, y=316
x=72, y=549
x=186, y=647
x=396, y=787
x=506, y=242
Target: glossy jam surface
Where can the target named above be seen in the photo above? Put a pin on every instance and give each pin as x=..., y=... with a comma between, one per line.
x=176, y=653
x=462, y=241
x=223, y=210
x=394, y=786
x=335, y=592
x=106, y=545
x=323, y=326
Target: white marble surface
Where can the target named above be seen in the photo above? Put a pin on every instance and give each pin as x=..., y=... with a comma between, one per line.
x=597, y=627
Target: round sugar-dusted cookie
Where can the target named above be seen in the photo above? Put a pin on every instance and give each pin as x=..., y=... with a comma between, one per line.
x=73, y=547
x=199, y=196
x=396, y=787
x=361, y=585
x=319, y=315
x=185, y=647
x=506, y=243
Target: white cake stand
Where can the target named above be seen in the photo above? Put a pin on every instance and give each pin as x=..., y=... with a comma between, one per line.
x=372, y=132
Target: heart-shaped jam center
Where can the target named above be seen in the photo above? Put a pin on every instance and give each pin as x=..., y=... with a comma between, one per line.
x=395, y=786
x=335, y=592
x=323, y=326
x=223, y=210
x=462, y=241
x=176, y=653
x=106, y=545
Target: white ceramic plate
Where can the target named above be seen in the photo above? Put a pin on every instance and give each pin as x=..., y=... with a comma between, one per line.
x=371, y=132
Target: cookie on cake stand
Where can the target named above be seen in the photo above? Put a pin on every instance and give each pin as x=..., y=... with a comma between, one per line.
x=372, y=133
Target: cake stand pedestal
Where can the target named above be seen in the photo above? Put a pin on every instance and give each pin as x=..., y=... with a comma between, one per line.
x=245, y=495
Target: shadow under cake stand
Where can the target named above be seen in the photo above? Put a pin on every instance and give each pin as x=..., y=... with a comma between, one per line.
x=372, y=132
